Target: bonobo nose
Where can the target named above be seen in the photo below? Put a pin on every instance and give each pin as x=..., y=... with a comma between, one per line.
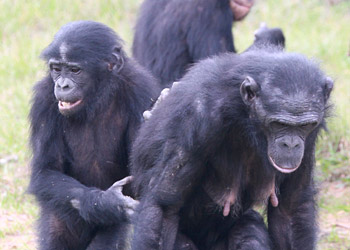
x=64, y=84
x=289, y=142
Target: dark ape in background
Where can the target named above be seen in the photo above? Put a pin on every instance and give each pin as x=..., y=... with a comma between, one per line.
x=171, y=34
x=237, y=130
x=84, y=117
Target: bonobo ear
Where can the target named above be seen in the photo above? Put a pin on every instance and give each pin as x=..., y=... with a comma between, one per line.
x=117, y=60
x=328, y=87
x=249, y=89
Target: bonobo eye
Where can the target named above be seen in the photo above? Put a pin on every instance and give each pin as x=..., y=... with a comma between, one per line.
x=308, y=126
x=55, y=68
x=277, y=126
x=75, y=70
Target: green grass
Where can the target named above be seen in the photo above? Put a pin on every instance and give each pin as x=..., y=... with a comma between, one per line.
x=312, y=27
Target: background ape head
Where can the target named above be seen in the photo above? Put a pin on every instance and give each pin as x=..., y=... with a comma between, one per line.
x=287, y=112
x=82, y=57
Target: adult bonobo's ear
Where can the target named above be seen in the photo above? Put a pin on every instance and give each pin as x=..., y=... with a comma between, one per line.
x=117, y=60
x=249, y=88
x=328, y=87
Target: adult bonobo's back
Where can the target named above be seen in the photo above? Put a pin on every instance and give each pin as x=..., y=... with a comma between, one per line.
x=85, y=114
x=170, y=35
x=237, y=130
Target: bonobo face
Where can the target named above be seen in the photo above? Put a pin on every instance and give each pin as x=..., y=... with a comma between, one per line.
x=288, y=113
x=71, y=85
x=82, y=57
x=286, y=143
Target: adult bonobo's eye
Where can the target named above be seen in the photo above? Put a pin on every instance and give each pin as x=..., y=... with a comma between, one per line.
x=309, y=126
x=75, y=70
x=276, y=126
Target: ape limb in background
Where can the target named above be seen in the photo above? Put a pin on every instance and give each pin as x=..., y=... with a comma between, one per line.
x=237, y=130
x=84, y=117
x=171, y=35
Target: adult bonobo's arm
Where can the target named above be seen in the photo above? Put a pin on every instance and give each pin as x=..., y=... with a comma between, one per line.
x=170, y=188
x=292, y=224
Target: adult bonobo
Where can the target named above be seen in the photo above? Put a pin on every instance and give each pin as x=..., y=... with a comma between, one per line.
x=237, y=130
x=84, y=117
x=170, y=35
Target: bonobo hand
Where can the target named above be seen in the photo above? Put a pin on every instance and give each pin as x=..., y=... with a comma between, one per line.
x=165, y=92
x=266, y=35
x=106, y=207
x=116, y=190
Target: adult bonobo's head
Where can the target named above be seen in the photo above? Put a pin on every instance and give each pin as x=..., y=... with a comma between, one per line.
x=81, y=57
x=289, y=101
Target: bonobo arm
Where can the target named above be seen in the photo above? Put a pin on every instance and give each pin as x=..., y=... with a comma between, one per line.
x=160, y=205
x=65, y=195
x=292, y=224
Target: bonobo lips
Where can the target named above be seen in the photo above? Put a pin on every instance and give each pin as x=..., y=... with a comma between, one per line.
x=67, y=106
x=282, y=169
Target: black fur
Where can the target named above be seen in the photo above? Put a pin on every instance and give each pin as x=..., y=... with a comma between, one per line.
x=206, y=144
x=172, y=34
x=78, y=157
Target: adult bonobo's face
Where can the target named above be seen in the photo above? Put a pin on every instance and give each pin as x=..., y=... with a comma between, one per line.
x=289, y=107
x=71, y=85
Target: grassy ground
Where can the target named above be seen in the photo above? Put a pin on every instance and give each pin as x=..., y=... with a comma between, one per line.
x=314, y=27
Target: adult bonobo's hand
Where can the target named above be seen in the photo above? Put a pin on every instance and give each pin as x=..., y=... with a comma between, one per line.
x=93, y=206
x=165, y=92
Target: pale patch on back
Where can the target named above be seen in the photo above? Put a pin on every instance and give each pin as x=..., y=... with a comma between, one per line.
x=199, y=105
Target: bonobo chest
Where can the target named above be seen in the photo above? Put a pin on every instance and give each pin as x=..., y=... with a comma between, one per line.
x=98, y=155
x=239, y=184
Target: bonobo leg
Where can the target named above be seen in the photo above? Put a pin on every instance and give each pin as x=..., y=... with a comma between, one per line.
x=248, y=233
x=184, y=243
x=116, y=237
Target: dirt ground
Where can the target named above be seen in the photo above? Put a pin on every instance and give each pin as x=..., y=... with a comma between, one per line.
x=334, y=225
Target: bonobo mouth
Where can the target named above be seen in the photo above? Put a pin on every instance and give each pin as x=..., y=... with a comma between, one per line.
x=285, y=170
x=68, y=107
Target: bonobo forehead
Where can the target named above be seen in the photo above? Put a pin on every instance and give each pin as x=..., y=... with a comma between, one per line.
x=82, y=40
x=292, y=91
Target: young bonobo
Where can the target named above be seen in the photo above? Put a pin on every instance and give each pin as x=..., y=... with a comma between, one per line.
x=84, y=117
x=236, y=131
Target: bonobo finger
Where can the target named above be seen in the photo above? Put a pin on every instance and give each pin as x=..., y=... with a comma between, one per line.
x=130, y=202
x=75, y=203
x=148, y=113
x=163, y=94
x=118, y=185
x=129, y=211
x=262, y=28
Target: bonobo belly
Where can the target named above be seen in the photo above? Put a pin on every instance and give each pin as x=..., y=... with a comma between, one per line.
x=202, y=218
